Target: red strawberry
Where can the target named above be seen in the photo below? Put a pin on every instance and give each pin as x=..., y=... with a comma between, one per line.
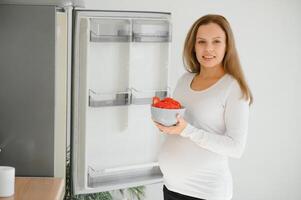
x=156, y=100
x=167, y=103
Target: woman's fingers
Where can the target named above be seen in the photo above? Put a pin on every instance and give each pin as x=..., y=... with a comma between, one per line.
x=180, y=118
x=176, y=129
x=159, y=126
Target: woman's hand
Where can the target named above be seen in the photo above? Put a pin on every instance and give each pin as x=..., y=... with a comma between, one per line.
x=176, y=129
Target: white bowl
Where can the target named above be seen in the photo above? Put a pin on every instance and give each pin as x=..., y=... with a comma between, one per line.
x=166, y=117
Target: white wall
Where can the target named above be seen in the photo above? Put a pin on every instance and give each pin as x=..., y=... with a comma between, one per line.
x=268, y=37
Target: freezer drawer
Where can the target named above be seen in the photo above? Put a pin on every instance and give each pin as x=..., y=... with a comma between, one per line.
x=121, y=61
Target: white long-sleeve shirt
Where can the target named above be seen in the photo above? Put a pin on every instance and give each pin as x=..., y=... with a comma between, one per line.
x=195, y=163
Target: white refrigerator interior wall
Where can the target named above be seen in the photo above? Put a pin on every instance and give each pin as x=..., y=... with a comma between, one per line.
x=123, y=130
x=268, y=40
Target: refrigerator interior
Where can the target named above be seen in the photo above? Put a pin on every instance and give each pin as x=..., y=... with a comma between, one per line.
x=121, y=62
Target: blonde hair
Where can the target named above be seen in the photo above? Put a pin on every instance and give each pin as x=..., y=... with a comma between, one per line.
x=230, y=61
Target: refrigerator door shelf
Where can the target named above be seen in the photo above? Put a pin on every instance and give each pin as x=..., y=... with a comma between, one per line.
x=110, y=30
x=146, y=97
x=109, y=99
x=122, y=30
x=151, y=30
x=133, y=96
x=134, y=175
x=109, y=38
x=151, y=38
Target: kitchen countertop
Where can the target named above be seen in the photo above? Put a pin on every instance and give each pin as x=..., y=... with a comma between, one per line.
x=38, y=188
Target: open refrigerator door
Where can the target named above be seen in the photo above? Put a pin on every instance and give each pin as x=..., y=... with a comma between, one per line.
x=120, y=61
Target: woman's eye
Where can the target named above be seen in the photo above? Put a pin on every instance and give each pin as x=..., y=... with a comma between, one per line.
x=216, y=41
x=201, y=42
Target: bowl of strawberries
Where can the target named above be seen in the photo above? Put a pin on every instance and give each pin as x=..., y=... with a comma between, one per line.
x=165, y=111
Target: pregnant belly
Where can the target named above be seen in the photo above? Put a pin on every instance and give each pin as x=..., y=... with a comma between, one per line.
x=183, y=158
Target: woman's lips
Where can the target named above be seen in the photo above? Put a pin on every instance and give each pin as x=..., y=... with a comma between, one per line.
x=208, y=58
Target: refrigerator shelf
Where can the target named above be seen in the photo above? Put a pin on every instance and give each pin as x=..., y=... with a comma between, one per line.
x=129, y=30
x=139, y=97
x=128, y=38
x=109, y=99
x=151, y=38
x=110, y=30
x=132, y=96
x=151, y=30
x=109, y=38
x=128, y=174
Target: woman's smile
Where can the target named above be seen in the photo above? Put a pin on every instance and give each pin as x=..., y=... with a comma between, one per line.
x=208, y=57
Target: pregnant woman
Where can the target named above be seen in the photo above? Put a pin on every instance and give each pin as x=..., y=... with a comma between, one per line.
x=194, y=157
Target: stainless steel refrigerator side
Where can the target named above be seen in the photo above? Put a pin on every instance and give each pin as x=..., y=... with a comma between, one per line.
x=27, y=85
x=79, y=177
x=62, y=69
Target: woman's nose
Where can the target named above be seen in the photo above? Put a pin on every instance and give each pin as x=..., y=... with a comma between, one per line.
x=209, y=47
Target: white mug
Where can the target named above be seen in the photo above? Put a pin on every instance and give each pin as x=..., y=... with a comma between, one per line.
x=7, y=181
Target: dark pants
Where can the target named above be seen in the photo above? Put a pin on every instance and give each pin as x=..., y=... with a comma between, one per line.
x=170, y=195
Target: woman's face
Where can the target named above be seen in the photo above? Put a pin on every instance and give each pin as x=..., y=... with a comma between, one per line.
x=210, y=45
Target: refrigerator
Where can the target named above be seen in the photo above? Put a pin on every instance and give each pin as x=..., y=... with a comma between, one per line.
x=99, y=80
